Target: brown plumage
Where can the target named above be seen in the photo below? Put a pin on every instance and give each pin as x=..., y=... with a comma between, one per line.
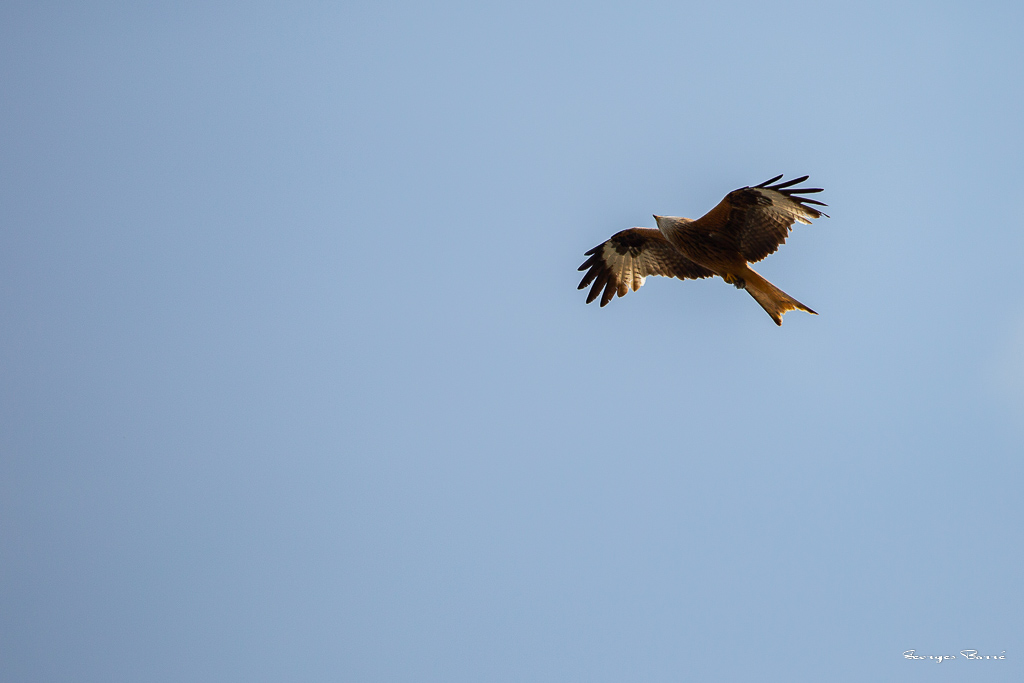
x=745, y=227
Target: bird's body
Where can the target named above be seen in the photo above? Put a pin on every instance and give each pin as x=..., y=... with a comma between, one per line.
x=746, y=226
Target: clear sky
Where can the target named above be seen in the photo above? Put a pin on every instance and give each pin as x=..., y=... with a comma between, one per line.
x=296, y=384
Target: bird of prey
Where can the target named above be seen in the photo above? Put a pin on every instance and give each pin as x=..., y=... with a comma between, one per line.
x=746, y=226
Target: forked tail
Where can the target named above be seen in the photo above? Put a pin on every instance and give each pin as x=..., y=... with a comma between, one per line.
x=772, y=299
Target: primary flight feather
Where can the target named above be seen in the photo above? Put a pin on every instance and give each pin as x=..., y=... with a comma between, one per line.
x=745, y=227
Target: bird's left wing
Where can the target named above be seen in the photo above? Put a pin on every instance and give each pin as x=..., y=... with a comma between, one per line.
x=758, y=219
x=628, y=257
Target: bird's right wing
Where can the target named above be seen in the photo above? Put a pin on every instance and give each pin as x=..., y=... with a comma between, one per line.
x=628, y=257
x=756, y=220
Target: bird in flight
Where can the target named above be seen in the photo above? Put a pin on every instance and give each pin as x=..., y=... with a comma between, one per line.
x=746, y=226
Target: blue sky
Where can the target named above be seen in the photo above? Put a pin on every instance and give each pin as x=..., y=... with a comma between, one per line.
x=296, y=384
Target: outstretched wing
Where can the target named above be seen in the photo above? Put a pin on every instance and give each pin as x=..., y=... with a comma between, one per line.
x=626, y=260
x=758, y=219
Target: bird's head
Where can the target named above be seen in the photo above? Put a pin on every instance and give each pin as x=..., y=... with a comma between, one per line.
x=670, y=221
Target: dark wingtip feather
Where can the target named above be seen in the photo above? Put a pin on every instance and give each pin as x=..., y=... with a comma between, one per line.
x=769, y=182
x=591, y=274
x=790, y=183
x=599, y=283
x=589, y=262
x=610, y=289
